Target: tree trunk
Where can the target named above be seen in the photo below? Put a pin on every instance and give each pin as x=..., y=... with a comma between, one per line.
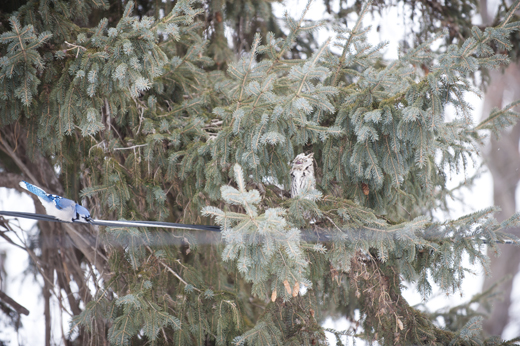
x=503, y=159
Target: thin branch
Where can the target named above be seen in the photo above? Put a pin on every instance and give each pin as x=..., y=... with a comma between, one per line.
x=18, y=162
x=172, y=271
x=132, y=147
x=74, y=46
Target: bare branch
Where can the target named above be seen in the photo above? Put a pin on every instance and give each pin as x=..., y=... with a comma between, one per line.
x=20, y=309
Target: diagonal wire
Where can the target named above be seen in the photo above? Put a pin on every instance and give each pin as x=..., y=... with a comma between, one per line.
x=113, y=223
x=158, y=224
x=308, y=236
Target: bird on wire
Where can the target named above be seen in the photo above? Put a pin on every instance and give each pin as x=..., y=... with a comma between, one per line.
x=63, y=209
x=60, y=209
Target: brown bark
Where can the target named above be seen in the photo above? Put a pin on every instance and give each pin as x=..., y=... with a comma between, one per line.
x=503, y=159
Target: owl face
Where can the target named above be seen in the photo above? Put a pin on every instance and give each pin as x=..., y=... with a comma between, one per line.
x=302, y=161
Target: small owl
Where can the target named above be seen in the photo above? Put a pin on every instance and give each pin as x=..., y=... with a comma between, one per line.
x=302, y=174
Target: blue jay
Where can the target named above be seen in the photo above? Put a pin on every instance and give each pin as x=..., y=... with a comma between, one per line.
x=63, y=209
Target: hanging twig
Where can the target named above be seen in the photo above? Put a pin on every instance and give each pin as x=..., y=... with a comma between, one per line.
x=132, y=147
x=172, y=271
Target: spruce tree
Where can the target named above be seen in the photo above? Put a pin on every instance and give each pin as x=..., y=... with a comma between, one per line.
x=156, y=117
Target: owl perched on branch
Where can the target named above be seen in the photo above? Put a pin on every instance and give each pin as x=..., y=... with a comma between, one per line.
x=302, y=174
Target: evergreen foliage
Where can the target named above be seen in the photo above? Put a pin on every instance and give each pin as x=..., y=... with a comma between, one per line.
x=152, y=118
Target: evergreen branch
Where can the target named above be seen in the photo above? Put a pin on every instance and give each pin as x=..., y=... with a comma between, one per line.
x=497, y=118
x=294, y=31
x=390, y=155
x=172, y=271
x=346, y=47
x=311, y=63
x=514, y=7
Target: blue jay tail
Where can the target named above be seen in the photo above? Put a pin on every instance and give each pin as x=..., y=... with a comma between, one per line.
x=36, y=190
